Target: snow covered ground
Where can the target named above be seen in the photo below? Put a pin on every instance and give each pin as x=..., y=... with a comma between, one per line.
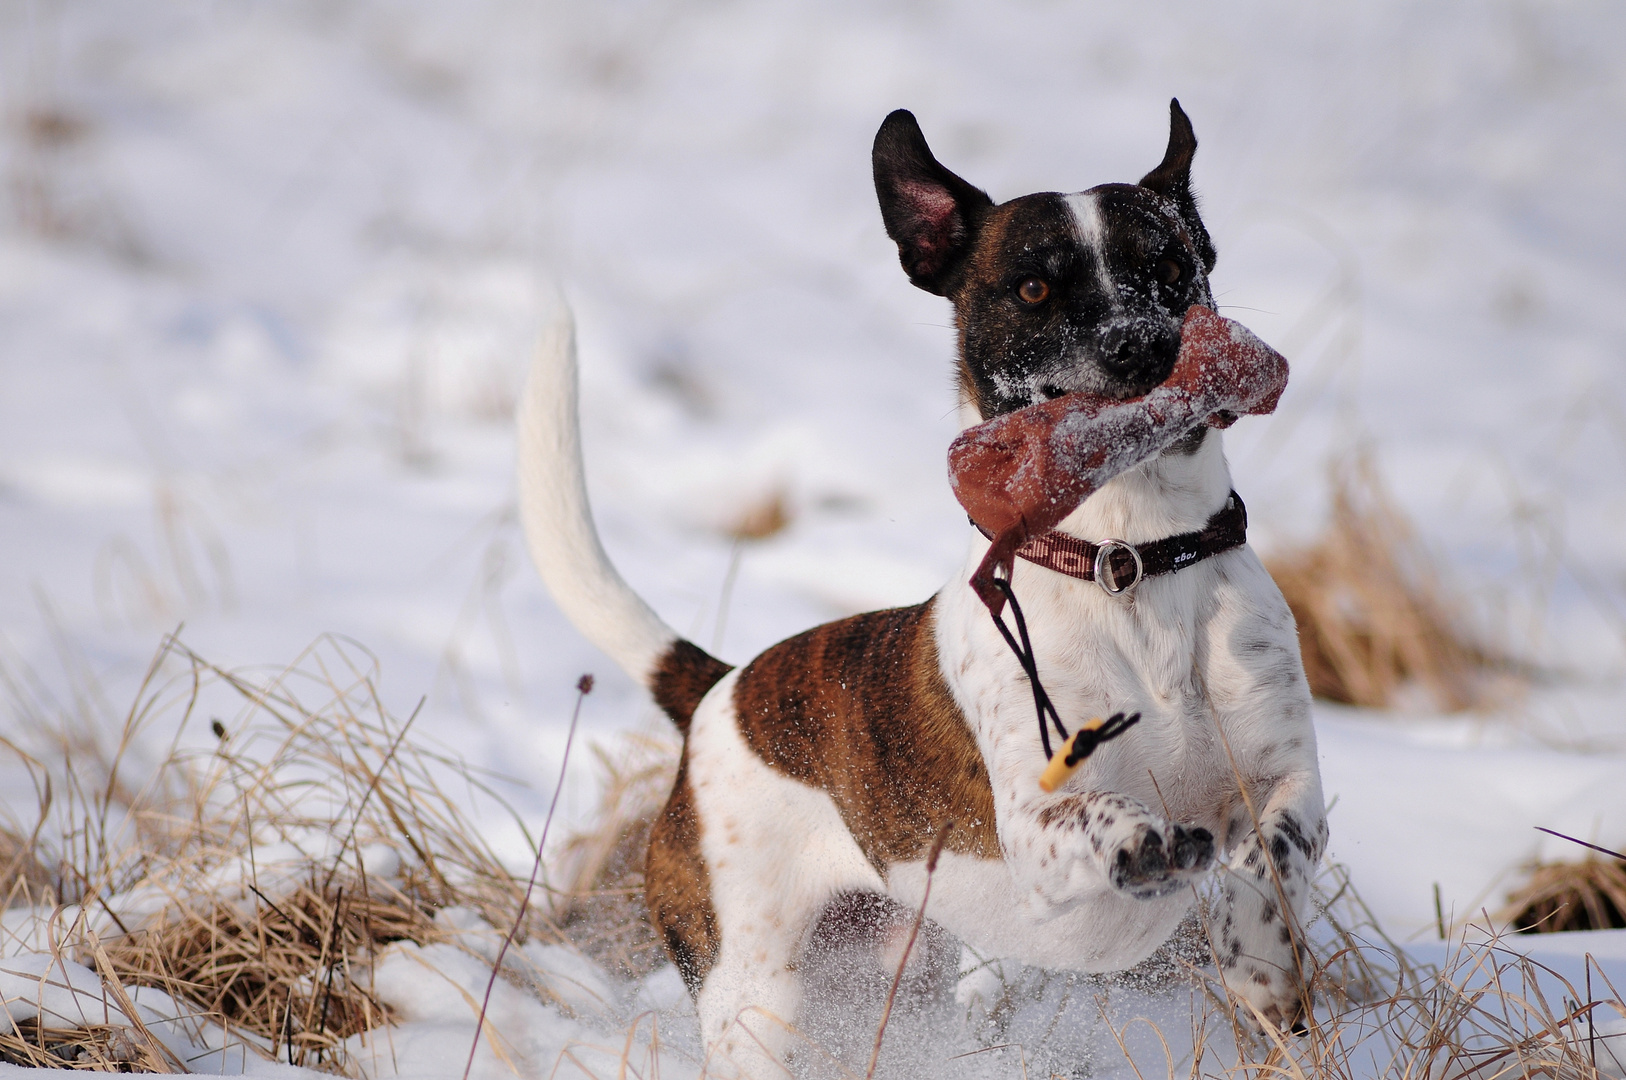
x=269, y=273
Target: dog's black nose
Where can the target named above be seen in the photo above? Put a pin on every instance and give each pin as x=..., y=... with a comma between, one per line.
x=1117, y=345
x=1141, y=351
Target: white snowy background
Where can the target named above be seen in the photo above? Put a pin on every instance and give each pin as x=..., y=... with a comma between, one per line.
x=270, y=273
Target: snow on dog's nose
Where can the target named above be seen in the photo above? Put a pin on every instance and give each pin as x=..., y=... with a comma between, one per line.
x=1139, y=351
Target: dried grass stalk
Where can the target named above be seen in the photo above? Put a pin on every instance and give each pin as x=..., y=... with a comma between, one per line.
x=1374, y=614
x=24, y=881
x=765, y=517
x=1586, y=895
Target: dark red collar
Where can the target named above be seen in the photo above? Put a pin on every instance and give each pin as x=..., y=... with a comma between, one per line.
x=1122, y=565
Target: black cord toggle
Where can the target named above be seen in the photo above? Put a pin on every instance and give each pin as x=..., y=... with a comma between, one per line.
x=1089, y=736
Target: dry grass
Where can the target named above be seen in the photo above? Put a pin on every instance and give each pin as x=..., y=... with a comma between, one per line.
x=94, y=1048
x=22, y=877
x=288, y=970
x=600, y=907
x=1374, y=612
x=1487, y=1011
x=258, y=877
x=1586, y=895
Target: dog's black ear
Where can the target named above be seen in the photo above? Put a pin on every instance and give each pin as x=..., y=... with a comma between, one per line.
x=929, y=212
x=1172, y=179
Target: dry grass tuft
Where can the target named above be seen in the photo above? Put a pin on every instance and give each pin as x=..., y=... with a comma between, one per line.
x=601, y=906
x=255, y=878
x=1586, y=895
x=94, y=1048
x=288, y=970
x=1373, y=612
x=1485, y=1012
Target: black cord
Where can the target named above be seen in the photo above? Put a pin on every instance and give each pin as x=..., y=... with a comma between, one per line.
x=1030, y=666
x=1090, y=738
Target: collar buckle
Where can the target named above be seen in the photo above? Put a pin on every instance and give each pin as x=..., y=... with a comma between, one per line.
x=1105, y=577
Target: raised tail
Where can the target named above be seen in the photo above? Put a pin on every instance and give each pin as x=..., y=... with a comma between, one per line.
x=565, y=547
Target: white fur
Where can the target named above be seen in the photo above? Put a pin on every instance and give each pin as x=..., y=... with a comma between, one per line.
x=1091, y=234
x=1208, y=656
x=558, y=521
x=776, y=853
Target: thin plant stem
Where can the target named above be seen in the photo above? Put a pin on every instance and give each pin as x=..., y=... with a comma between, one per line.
x=1583, y=843
x=914, y=932
x=584, y=686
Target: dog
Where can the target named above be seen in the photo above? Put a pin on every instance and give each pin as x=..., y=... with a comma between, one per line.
x=829, y=764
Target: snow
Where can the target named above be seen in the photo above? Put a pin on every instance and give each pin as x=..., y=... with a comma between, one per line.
x=269, y=274
x=1454, y=813
x=64, y=993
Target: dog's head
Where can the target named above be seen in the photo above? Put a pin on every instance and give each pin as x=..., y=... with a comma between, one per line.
x=1052, y=293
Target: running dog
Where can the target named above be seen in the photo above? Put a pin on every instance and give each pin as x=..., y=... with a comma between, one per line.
x=827, y=766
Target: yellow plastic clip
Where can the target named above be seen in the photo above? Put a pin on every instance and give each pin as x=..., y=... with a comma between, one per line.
x=1063, y=764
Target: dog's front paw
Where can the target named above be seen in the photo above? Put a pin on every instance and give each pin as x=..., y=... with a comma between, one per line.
x=1155, y=862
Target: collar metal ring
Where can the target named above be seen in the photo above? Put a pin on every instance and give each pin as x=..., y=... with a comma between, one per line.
x=1104, y=576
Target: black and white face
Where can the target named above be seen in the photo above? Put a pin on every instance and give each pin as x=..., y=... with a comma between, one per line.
x=1052, y=293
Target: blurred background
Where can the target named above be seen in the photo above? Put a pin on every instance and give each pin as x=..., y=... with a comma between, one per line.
x=270, y=273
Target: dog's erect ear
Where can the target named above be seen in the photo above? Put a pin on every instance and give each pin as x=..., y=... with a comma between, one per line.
x=929, y=211
x=1172, y=179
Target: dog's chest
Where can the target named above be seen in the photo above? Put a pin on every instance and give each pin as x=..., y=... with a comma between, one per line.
x=1097, y=656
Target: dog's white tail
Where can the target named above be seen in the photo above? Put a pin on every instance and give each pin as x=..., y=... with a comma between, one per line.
x=564, y=544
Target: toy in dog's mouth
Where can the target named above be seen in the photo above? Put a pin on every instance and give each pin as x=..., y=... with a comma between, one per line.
x=1020, y=474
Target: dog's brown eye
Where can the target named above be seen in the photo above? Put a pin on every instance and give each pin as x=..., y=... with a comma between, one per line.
x=1032, y=290
x=1168, y=271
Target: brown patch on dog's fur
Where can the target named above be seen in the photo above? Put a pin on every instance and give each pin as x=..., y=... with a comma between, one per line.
x=682, y=677
x=677, y=887
x=860, y=709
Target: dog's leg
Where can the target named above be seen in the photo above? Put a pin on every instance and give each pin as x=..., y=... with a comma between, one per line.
x=1258, y=925
x=775, y=851
x=1276, y=835
x=771, y=885
x=749, y=1001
